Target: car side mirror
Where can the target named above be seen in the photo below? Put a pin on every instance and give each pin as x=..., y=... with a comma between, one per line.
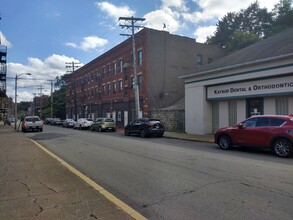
x=240, y=126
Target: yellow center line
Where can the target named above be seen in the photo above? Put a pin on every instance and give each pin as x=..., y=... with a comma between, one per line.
x=130, y=211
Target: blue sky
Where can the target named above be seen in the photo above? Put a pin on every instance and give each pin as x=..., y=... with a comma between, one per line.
x=42, y=35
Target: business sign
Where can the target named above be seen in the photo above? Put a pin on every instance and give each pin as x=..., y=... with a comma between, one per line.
x=273, y=86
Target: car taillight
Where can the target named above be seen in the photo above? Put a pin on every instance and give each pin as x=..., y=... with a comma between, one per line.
x=24, y=123
x=149, y=124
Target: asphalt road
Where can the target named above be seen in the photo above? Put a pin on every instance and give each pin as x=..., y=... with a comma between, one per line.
x=173, y=179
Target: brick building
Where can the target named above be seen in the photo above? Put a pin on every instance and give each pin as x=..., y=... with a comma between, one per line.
x=104, y=86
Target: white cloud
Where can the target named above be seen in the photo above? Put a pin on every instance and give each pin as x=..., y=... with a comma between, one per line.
x=215, y=9
x=182, y=14
x=177, y=4
x=114, y=11
x=4, y=41
x=41, y=71
x=89, y=43
x=202, y=33
x=157, y=19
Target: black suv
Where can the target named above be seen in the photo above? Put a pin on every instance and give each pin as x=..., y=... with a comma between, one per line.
x=145, y=127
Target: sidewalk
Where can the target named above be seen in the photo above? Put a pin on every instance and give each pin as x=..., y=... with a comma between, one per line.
x=190, y=137
x=34, y=185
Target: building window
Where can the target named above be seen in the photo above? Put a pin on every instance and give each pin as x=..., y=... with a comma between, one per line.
x=232, y=105
x=114, y=68
x=104, y=72
x=120, y=86
x=104, y=89
x=109, y=88
x=281, y=105
x=109, y=70
x=132, y=82
x=114, y=87
x=125, y=74
x=120, y=66
x=97, y=76
x=199, y=60
x=139, y=58
x=215, y=116
x=97, y=93
x=139, y=81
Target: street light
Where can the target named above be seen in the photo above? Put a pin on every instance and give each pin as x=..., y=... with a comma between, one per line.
x=16, y=78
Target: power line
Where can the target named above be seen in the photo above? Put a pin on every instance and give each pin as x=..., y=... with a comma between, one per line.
x=73, y=65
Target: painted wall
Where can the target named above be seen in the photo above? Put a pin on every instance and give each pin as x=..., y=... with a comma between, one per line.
x=197, y=110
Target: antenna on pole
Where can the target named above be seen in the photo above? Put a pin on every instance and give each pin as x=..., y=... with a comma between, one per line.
x=131, y=21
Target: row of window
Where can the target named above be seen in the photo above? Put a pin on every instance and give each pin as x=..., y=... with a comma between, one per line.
x=199, y=60
x=114, y=69
x=113, y=87
x=281, y=107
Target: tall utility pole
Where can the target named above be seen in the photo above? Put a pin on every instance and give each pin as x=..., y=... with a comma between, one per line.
x=41, y=100
x=73, y=65
x=129, y=23
x=51, y=96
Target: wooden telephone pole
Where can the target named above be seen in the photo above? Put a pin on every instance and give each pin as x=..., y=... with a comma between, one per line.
x=129, y=22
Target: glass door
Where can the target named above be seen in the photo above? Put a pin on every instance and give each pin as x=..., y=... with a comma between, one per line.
x=254, y=106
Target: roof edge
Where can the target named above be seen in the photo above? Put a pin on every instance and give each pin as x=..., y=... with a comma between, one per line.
x=199, y=73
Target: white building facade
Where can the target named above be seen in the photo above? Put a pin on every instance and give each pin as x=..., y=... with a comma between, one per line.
x=235, y=88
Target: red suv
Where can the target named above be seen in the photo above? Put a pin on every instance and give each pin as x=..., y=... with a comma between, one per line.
x=266, y=131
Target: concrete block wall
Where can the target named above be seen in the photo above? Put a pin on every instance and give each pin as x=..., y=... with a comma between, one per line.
x=173, y=120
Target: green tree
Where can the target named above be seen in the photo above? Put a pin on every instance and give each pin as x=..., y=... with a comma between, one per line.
x=238, y=30
x=23, y=106
x=283, y=16
x=255, y=20
x=225, y=29
x=59, y=104
x=59, y=100
x=240, y=40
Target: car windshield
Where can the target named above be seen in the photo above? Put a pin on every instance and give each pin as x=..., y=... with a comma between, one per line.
x=154, y=121
x=89, y=119
x=32, y=119
x=109, y=120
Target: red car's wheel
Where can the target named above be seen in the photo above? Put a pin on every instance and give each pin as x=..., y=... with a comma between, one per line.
x=225, y=142
x=282, y=148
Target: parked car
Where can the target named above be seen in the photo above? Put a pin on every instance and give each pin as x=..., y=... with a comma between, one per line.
x=32, y=123
x=83, y=123
x=68, y=123
x=103, y=124
x=48, y=121
x=56, y=121
x=145, y=127
x=266, y=131
x=11, y=120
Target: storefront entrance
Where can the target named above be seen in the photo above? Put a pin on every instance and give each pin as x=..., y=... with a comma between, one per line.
x=254, y=106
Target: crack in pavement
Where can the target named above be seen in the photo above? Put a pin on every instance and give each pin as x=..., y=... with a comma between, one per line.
x=184, y=193
x=92, y=215
x=39, y=206
x=50, y=188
